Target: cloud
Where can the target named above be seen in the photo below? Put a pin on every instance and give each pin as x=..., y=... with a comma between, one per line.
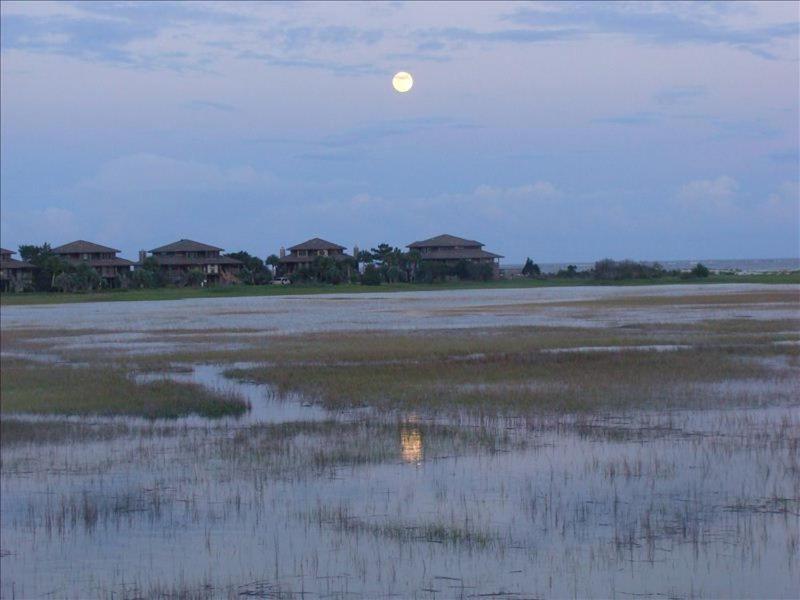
x=140, y=173
x=669, y=23
x=301, y=38
x=516, y=36
x=373, y=132
x=679, y=94
x=50, y=223
x=635, y=118
x=714, y=195
x=336, y=67
x=784, y=204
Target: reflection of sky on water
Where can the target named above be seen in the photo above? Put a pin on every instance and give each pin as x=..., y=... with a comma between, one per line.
x=409, y=310
x=680, y=504
x=686, y=503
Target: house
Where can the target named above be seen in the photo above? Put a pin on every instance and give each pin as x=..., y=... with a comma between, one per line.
x=450, y=250
x=302, y=255
x=104, y=260
x=175, y=260
x=15, y=275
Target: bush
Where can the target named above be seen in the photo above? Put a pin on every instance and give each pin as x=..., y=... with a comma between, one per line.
x=531, y=269
x=608, y=269
x=570, y=272
x=370, y=276
x=194, y=278
x=480, y=271
x=700, y=270
x=82, y=278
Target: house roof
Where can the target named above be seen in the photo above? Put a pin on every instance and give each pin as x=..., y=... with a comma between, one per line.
x=13, y=263
x=82, y=247
x=444, y=240
x=459, y=254
x=195, y=260
x=104, y=262
x=316, y=244
x=185, y=245
x=294, y=258
x=4, y=251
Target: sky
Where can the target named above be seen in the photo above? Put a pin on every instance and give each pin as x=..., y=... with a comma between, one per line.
x=560, y=131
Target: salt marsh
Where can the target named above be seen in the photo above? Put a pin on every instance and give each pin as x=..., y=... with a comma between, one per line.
x=513, y=443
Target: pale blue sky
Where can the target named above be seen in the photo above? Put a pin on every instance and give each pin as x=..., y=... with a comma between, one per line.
x=567, y=132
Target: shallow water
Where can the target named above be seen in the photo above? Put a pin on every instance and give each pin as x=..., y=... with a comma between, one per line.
x=266, y=406
x=408, y=310
x=604, y=507
x=365, y=504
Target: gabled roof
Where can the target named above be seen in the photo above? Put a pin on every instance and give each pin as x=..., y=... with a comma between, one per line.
x=185, y=245
x=81, y=247
x=459, y=254
x=104, y=262
x=194, y=260
x=294, y=258
x=4, y=251
x=443, y=241
x=13, y=263
x=316, y=244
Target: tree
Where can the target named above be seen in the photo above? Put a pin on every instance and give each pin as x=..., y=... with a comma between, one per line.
x=410, y=261
x=253, y=271
x=82, y=278
x=531, y=269
x=143, y=278
x=481, y=271
x=700, y=270
x=461, y=270
x=626, y=269
x=371, y=275
x=571, y=271
x=275, y=264
x=431, y=271
x=147, y=274
x=194, y=278
x=49, y=265
x=364, y=257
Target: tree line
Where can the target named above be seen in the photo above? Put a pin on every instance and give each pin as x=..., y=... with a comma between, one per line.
x=608, y=269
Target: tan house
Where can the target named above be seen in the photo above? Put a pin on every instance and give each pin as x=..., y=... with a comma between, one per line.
x=450, y=250
x=178, y=258
x=15, y=275
x=302, y=255
x=113, y=269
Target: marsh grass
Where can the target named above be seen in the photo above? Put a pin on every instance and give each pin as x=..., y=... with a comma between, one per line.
x=524, y=381
x=461, y=534
x=107, y=391
x=757, y=299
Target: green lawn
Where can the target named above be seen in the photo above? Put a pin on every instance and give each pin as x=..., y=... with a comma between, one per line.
x=274, y=290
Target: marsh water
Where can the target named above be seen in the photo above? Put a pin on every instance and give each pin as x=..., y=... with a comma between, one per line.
x=293, y=500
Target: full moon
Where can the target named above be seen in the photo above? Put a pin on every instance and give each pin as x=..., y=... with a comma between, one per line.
x=402, y=81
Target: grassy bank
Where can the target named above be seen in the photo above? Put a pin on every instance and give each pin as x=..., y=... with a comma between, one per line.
x=106, y=391
x=273, y=290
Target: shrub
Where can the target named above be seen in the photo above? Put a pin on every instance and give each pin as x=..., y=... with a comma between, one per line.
x=700, y=270
x=370, y=276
